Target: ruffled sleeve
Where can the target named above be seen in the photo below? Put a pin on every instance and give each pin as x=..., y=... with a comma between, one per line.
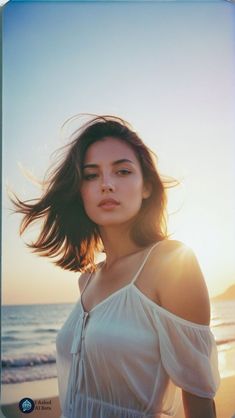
x=188, y=353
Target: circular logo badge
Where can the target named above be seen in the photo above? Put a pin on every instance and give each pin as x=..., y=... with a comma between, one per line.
x=26, y=405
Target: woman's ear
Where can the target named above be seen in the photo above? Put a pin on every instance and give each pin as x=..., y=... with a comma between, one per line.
x=147, y=190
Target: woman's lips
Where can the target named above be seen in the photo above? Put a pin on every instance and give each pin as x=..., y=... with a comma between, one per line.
x=108, y=203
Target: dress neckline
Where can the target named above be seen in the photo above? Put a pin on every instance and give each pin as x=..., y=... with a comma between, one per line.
x=120, y=289
x=151, y=303
x=105, y=299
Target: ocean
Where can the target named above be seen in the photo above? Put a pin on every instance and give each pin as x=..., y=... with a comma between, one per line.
x=29, y=333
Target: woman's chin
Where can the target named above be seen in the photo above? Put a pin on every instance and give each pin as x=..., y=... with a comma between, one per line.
x=120, y=224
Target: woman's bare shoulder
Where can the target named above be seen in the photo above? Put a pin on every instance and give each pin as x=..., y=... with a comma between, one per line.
x=166, y=251
x=180, y=282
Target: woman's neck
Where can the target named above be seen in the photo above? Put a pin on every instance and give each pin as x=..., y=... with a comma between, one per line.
x=117, y=245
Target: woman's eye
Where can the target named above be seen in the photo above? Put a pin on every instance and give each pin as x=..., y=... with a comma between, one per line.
x=90, y=176
x=124, y=172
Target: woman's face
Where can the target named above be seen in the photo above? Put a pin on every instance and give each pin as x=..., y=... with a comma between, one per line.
x=112, y=187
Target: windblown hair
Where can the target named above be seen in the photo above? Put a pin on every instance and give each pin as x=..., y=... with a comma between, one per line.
x=67, y=233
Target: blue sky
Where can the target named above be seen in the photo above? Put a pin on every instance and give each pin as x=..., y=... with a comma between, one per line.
x=168, y=68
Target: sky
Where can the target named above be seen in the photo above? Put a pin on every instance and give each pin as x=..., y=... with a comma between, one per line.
x=168, y=69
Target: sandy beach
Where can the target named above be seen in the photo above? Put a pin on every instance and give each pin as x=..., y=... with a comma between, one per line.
x=48, y=407
x=41, y=390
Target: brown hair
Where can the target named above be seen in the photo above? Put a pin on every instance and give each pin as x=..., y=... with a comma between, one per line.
x=67, y=232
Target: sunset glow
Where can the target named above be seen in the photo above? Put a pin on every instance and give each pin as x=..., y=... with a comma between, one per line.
x=147, y=64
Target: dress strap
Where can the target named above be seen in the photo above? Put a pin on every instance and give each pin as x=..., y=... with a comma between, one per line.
x=87, y=281
x=146, y=258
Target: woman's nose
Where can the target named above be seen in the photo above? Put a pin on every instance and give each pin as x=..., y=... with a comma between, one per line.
x=107, y=186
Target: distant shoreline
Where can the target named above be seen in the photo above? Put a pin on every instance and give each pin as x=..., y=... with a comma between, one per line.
x=228, y=294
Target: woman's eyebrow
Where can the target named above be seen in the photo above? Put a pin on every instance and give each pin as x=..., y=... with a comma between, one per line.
x=123, y=160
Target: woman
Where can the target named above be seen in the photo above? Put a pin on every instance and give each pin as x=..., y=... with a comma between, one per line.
x=140, y=329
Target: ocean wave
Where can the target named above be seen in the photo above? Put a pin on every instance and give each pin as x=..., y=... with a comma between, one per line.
x=29, y=360
x=12, y=331
x=9, y=338
x=49, y=330
x=21, y=379
x=28, y=374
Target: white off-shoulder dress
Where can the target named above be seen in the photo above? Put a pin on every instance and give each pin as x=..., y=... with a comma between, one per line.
x=128, y=357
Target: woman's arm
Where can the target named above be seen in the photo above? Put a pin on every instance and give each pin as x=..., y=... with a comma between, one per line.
x=196, y=407
x=184, y=293
x=183, y=289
